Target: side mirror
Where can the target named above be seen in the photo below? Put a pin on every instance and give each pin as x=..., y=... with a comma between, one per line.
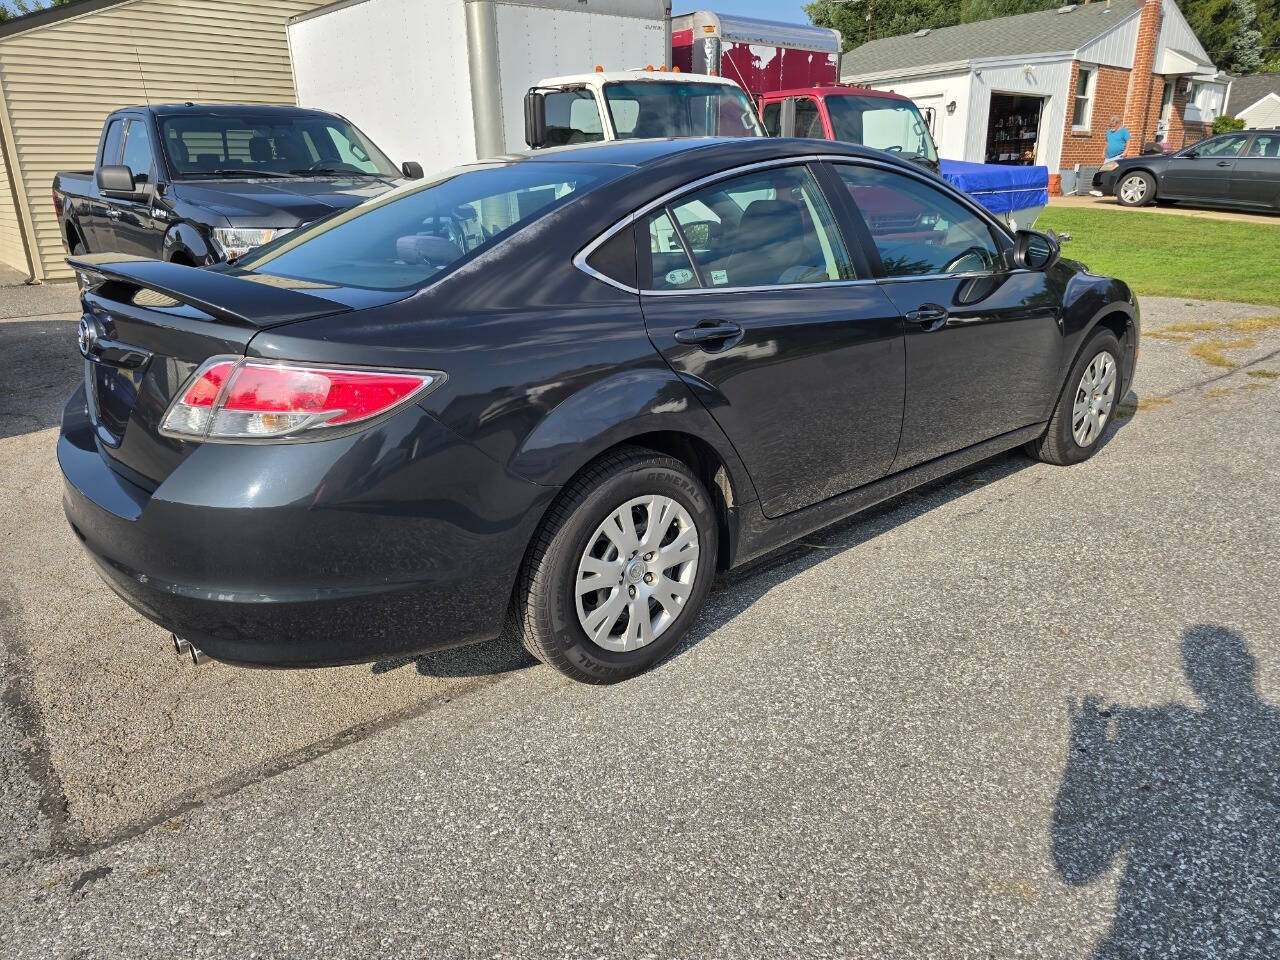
x=1034, y=250
x=411, y=169
x=787, y=118
x=535, y=119
x=116, y=179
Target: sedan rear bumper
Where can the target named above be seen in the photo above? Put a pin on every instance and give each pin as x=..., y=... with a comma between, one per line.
x=399, y=539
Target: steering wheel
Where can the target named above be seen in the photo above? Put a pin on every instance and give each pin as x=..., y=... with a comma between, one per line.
x=977, y=253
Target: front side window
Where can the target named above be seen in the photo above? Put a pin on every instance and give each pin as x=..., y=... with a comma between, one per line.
x=1221, y=146
x=809, y=119
x=917, y=229
x=652, y=108
x=1082, y=103
x=771, y=117
x=137, y=152
x=404, y=239
x=572, y=117
x=242, y=145
x=770, y=228
x=881, y=123
x=112, y=143
x=1265, y=145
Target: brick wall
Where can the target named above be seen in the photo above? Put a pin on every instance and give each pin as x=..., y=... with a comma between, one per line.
x=1144, y=89
x=1110, y=96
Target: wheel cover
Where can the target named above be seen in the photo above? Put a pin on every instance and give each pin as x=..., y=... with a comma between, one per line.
x=636, y=573
x=1095, y=395
x=1133, y=189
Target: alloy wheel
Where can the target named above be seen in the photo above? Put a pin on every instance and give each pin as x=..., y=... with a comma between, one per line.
x=636, y=573
x=1095, y=396
x=1133, y=189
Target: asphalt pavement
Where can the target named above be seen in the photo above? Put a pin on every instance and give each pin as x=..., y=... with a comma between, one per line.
x=1030, y=711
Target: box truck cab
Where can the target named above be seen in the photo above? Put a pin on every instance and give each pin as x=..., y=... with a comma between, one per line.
x=873, y=118
x=634, y=104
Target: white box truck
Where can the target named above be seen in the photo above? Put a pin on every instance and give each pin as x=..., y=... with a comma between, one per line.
x=443, y=82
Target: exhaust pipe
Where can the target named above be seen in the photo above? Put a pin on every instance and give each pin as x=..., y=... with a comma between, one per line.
x=186, y=648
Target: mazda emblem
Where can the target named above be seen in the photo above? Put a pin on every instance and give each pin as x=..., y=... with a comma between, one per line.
x=87, y=337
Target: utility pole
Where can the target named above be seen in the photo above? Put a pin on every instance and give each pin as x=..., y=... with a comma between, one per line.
x=870, y=5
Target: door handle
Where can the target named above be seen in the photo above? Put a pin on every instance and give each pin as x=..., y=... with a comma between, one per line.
x=928, y=314
x=1224, y=163
x=709, y=332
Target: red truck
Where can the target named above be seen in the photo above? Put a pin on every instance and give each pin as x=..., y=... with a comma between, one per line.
x=875, y=118
x=758, y=55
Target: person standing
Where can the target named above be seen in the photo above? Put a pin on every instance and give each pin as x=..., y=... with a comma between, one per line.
x=1117, y=143
x=1117, y=140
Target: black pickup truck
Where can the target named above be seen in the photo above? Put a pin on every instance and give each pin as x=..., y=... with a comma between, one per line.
x=199, y=184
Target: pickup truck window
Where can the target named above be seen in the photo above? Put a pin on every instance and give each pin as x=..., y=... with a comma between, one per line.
x=137, y=152
x=226, y=145
x=111, y=144
x=403, y=239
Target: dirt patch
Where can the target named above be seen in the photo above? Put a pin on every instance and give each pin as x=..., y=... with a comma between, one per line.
x=1213, y=352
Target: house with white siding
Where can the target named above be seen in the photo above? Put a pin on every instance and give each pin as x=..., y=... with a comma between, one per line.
x=1255, y=100
x=1041, y=88
x=62, y=70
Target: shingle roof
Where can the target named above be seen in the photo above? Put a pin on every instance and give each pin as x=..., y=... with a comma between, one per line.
x=1044, y=31
x=1246, y=91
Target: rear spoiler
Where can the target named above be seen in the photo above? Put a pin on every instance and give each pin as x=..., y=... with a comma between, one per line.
x=237, y=300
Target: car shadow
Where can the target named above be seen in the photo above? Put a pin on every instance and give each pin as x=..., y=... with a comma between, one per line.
x=46, y=368
x=1184, y=802
x=736, y=591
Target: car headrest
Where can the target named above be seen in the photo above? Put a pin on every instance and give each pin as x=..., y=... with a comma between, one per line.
x=260, y=149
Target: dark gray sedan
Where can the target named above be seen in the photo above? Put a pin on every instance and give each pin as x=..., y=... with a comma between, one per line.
x=1231, y=170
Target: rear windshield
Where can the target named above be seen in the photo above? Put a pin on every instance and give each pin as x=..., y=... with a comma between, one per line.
x=225, y=144
x=403, y=239
x=882, y=123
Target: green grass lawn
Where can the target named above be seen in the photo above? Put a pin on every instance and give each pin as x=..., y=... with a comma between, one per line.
x=1167, y=255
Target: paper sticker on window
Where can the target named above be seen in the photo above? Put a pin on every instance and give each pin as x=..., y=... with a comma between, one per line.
x=719, y=277
x=678, y=278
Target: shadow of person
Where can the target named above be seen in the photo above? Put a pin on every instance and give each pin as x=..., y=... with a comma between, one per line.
x=1189, y=799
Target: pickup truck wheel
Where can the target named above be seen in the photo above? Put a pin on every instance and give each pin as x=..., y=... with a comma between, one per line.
x=78, y=250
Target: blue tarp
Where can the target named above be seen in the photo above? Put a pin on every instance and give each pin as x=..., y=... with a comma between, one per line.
x=999, y=187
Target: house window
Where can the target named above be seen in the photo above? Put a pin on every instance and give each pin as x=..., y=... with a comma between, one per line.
x=1082, y=105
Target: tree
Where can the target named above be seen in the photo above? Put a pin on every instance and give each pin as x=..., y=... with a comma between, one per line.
x=1246, y=52
x=10, y=9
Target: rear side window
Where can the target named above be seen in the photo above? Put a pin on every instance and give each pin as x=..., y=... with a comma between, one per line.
x=1265, y=145
x=770, y=228
x=917, y=229
x=616, y=258
x=403, y=239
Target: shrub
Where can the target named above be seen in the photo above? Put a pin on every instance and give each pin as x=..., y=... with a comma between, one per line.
x=1225, y=124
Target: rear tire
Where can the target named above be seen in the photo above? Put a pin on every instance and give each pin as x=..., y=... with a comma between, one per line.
x=1086, y=406
x=78, y=250
x=1136, y=189
x=652, y=586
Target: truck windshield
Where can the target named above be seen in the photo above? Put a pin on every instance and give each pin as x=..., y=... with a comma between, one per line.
x=656, y=108
x=403, y=239
x=882, y=123
x=224, y=144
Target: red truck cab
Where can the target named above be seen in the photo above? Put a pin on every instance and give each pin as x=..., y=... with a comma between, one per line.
x=873, y=118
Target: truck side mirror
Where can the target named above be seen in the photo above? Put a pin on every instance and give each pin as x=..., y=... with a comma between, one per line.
x=535, y=119
x=411, y=169
x=116, y=179
x=787, y=118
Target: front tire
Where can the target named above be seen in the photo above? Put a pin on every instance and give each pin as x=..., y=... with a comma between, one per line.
x=1087, y=404
x=1136, y=189
x=619, y=569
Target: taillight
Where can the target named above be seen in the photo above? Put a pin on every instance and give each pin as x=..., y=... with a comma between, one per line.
x=231, y=399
